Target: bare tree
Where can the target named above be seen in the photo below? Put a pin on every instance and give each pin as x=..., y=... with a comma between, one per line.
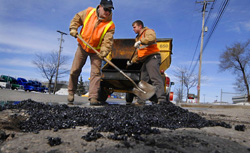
x=47, y=65
x=239, y=84
x=236, y=58
x=179, y=95
x=186, y=79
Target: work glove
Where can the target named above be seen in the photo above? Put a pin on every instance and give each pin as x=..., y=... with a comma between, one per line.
x=129, y=63
x=103, y=54
x=137, y=44
x=73, y=32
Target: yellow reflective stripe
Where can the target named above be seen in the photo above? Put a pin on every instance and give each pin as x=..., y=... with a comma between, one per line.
x=87, y=19
x=104, y=32
x=87, y=45
x=85, y=22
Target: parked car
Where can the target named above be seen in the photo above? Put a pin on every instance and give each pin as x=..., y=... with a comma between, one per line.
x=37, y=85
x=29, y=87
x=21, y=81
x=44, y=89
x=13, y=82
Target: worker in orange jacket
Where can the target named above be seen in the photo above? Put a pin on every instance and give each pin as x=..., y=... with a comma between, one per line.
x=149, y=54
x=98, y=30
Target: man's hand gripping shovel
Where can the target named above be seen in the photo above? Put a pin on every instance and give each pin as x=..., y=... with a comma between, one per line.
x=143, y=90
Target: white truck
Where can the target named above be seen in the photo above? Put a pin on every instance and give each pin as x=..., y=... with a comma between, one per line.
x=2, y=84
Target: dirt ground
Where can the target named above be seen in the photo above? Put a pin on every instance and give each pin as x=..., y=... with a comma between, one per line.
x=183, y=140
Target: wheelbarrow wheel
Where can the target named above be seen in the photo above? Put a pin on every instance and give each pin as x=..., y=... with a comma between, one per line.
x=168, y=95
x=103, y=94
x=129, y=97
x=154, y=100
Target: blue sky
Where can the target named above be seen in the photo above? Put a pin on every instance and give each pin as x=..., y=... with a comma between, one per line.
x=29, y=27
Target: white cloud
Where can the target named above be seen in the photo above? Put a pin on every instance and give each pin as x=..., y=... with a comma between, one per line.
x=24, y=73
x=10, y=71
x=210, y=62
x=17, y=62
x=188, y=63
x=28, y=37
x=240, y=27
x=246, y=25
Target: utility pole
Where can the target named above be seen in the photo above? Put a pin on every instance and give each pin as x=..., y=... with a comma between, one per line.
x=58, y=61
x=204, y=97
x=182, y=85
x=221, y=95
x=204, y=2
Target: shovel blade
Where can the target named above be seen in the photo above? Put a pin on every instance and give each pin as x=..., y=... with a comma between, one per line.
x=148, y=89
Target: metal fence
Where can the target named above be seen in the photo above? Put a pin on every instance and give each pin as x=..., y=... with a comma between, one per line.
x=239, y=99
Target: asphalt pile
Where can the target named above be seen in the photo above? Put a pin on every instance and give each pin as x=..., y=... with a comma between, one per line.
x=122, y=121
x=240, y=127
x=54, y=141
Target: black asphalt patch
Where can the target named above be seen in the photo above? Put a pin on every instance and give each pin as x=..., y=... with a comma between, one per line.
x=121, y=120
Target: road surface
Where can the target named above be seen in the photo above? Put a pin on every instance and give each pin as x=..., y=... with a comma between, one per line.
x=185, y=140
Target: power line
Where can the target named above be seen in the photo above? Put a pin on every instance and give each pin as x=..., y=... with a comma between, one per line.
x=223, y=6
x=207, y=19
x=210, y=12
x=221, y=12
x=194, y=54
x=197, y=43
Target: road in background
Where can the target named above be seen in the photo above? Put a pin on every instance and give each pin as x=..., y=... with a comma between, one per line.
x=19, y=95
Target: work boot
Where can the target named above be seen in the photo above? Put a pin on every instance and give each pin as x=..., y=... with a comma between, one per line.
x=161, y=101
x=70, y=99
x=95, y=102
x=140, y=102
x=128, y=103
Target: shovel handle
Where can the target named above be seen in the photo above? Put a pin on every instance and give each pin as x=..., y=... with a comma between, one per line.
x=112, y=64
x=131, y=57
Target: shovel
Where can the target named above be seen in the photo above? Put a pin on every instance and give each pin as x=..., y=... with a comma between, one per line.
x=143, y=90
x=131, y=57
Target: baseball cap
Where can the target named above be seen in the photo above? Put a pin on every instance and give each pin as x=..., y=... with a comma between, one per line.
x=107, y=3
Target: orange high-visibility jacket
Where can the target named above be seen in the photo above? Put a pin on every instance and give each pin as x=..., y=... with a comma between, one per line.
x=152, y=47
x=94, y=30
